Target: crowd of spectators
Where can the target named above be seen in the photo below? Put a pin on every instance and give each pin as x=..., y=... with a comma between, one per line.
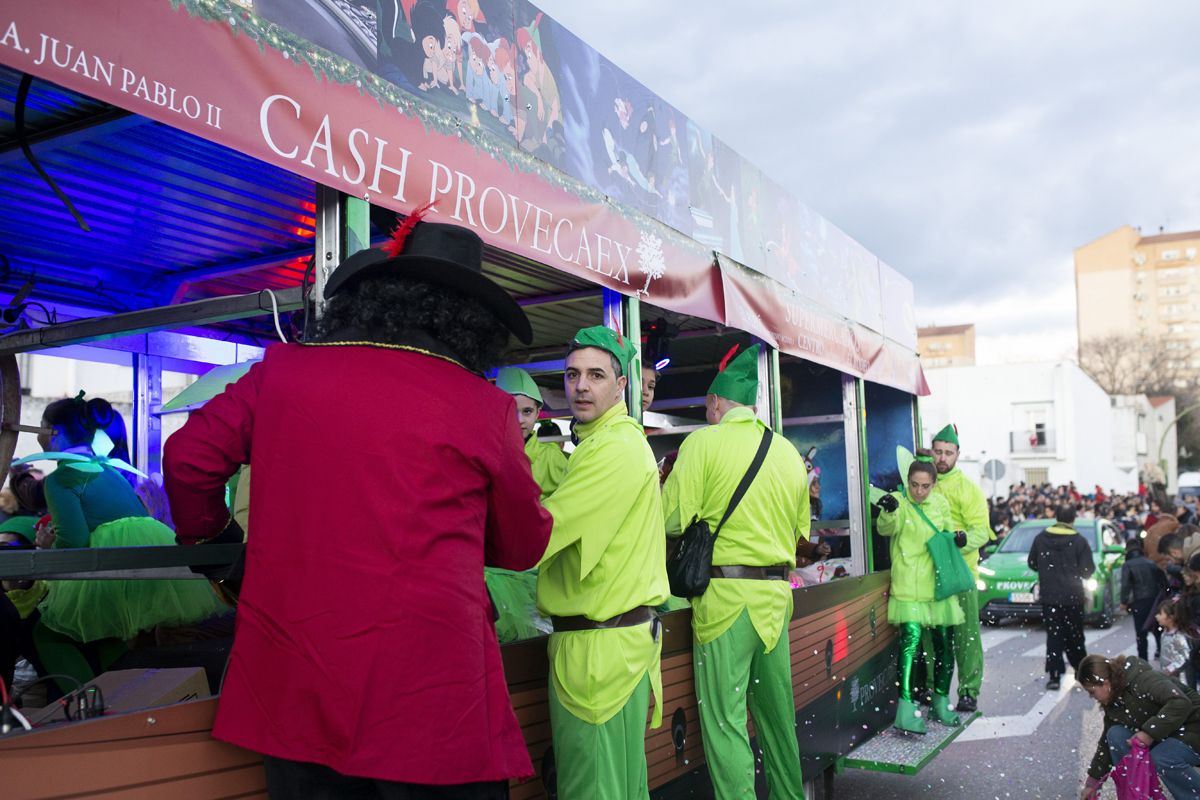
x=1133, y=512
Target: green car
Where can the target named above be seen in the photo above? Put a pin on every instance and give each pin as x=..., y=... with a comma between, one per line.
x=1008, y=587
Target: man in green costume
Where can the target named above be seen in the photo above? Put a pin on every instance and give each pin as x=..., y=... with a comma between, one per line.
x=740, y=624
x=549, y=463
x=513, y=594
x=599, y=580
x=968, y=513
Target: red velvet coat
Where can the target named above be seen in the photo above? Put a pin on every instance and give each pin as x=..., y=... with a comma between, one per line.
x=383, y=481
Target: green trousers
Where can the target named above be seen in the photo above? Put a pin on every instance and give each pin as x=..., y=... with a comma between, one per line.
x=968, y=646
x=942, y=642
x=62, y=655
x=730, y=671
x=602, y=761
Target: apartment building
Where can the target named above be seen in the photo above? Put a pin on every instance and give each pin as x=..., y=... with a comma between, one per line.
x=947, y=346
x=1130, y=284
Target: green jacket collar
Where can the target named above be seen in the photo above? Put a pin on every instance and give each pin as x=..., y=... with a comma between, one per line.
x=739, y=414
x=1062, y=529
x=583, y=430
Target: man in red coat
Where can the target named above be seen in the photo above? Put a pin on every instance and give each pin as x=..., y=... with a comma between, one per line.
x=365, y=657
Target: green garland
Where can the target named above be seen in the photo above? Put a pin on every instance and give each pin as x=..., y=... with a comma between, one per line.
x=325, y=65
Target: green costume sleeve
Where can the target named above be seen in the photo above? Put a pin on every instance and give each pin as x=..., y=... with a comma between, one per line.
x=67, y=512
x=549, y=464
x=804, y=512
x=976, y=520
x=889, y=521
x=594, y=498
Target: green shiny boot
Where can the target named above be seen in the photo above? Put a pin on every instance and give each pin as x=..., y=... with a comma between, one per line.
x=908, y=717
x=941, y=710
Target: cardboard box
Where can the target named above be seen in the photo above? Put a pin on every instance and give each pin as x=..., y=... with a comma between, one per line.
x=134, y=689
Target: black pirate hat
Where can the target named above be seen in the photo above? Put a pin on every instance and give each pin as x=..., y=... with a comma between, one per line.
x=449, y=256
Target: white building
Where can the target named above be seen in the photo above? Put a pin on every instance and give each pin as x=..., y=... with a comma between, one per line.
x=1046, y=422
x=1143, y=434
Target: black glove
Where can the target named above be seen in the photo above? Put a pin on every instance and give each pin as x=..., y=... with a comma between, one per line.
x=888, y=503
x=960, y=539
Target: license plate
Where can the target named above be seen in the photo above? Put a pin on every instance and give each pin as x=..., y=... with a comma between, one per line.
x=1021, y=597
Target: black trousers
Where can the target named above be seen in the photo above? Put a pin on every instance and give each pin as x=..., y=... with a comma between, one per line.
x=1064, y=636
x=299, y=780
x=10, y=639
x=1142, y=611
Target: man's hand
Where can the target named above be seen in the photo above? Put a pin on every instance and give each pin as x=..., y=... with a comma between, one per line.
x=960, y=539
x=888, y=503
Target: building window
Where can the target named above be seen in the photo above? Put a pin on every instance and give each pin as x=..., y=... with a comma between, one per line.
x=1169, y=255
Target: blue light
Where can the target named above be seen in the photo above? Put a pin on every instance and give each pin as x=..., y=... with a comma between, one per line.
x=662, y=364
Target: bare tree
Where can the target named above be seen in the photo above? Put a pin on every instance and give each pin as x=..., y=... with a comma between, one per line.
x=1138, y=364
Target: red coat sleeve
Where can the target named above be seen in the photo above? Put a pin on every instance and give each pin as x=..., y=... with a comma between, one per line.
x=201, y=456
x=518, y=527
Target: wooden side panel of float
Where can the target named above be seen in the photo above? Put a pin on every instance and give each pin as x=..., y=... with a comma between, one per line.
x=169, y=752
x=162, y=752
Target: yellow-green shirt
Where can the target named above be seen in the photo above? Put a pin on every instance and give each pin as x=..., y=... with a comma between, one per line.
x=968, y=513
x=549, y=464
x=763, y=530
x=26, y=600
x=606, y=556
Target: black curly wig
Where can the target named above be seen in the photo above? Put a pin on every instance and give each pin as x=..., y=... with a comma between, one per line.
x=395, y=311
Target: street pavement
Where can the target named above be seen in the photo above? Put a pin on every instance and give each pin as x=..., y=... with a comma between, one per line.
x=1029, y=743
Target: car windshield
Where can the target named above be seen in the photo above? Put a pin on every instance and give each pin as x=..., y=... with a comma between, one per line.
x=1020, y=538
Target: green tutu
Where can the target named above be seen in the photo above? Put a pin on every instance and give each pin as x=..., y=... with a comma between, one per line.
x=120, y=609
x=514, y=594
x=927, y=613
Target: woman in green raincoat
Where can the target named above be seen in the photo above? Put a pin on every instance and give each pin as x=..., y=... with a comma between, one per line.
x=911, y=518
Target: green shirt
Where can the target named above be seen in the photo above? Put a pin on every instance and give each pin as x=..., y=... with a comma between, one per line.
x=606, y=556
x=968, y=513
x=80, y=502
x=763, y=531
x=912, y=566
x=549, y=464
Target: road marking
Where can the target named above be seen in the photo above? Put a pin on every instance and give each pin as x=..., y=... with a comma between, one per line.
x=1018, y=724
x=1089, y=638
x=995, y=638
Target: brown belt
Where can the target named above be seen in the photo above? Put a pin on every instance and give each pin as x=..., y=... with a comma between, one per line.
x=779, y=572
x=637, y=616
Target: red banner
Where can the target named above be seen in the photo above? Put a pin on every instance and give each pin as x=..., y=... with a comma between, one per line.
x=201, y=76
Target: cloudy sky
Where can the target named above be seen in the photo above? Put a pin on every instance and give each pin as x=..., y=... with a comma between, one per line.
x=970, y=145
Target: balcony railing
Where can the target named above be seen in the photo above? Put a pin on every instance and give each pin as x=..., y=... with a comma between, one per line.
x=1033, y=442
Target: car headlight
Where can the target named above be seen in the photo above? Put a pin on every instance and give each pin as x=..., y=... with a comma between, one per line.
x=980, y=585
x=1091, y=584
x=986, y=571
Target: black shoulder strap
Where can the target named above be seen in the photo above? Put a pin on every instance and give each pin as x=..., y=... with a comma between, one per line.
x=748, y=478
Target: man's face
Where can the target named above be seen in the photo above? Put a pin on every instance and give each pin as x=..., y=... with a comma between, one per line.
x=527, y=414
x=649, y=384
x=920, y=484
x=945, y=456
x=592, y=386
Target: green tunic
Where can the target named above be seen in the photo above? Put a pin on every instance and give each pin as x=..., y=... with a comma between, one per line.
x=606, y=556
x=912, y=595
x=763, y=530
x=549, y=464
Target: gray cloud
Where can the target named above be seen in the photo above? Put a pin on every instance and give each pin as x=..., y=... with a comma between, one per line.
x=971, y=146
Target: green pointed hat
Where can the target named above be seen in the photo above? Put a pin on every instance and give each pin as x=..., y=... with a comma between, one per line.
x=22, y=526
x=947, y=434
x=738, y=379
x=517, y=381
x=609, y=341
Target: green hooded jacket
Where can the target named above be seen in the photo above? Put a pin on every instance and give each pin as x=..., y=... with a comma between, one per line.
x=912, y=566
x=968, y=513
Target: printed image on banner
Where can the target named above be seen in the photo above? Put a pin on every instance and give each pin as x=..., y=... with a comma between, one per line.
x=620, y=137
x=457, y=54
x=714, y=171
x=343, y=27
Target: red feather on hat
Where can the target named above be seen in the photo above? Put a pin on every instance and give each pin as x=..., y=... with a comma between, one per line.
x=725, y=361
x=395, y=246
